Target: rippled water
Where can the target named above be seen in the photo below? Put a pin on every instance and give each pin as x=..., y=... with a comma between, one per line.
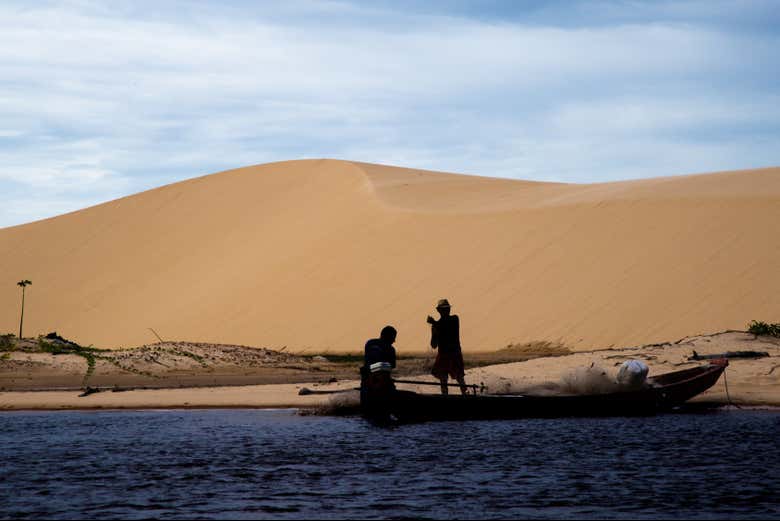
x=276, y=464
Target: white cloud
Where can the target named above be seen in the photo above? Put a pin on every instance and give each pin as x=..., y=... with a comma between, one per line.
x=632, y=116
x=107, y=100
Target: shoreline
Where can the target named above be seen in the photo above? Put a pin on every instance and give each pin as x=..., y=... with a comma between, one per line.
x=273, y=396
x=286, y=396
x=723, y=407
x=150, y=408
x=692, y=406
x=747, y=382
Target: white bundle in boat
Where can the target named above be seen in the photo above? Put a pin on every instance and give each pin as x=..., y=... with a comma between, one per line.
x=632, y=373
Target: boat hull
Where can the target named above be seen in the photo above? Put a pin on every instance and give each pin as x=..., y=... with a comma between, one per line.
x=661, y=394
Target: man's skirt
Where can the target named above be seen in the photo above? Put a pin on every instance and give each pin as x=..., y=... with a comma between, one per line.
x=448, y=364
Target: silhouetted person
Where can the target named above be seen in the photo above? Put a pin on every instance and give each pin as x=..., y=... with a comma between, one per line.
x=445, y=335
x=381, y=349
x=376, y=382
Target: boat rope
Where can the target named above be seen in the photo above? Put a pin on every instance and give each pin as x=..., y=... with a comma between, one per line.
x=728, y=396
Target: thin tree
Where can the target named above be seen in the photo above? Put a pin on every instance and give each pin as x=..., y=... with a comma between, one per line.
x=23, y=283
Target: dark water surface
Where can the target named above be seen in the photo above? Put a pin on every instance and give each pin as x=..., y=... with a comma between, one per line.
x=276, y=464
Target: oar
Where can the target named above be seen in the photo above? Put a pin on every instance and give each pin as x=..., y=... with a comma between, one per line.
x=473, y=387
x=306, y=391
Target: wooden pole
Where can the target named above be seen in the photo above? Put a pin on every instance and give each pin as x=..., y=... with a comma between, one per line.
x=21, y=320
x=473, y=387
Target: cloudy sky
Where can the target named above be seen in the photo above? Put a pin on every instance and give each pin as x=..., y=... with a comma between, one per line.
x=104, y=99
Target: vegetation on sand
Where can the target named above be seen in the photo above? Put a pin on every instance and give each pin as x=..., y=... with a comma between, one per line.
x=762, y=328
x=7, y=342
x=63, y=346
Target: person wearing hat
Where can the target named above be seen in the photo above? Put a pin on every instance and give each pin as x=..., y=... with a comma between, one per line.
x=445, y=336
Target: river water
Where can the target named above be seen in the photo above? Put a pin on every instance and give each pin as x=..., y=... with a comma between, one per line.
x=249, y=464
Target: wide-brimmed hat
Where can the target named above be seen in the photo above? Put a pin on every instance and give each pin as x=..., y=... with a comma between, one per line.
x=443, y=303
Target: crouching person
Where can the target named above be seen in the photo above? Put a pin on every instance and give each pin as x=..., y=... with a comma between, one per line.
x=376, y=382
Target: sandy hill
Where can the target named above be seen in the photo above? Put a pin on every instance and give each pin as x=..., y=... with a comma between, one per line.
x=320, y=254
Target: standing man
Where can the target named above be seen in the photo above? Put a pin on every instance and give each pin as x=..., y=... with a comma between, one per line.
x=445, y=335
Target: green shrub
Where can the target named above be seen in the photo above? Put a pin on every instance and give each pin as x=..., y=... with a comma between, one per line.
x=50, y=347
x=762, y=328
x=90, y=358
x=56, y=348
x=7, y=342
x=195, y=357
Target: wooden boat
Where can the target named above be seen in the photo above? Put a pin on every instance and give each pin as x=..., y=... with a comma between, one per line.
x=660, y=393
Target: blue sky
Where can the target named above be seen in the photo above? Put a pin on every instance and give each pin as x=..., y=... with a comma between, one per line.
x=104, y=99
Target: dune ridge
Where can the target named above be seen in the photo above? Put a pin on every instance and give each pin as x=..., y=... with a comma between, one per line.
x=318, y=255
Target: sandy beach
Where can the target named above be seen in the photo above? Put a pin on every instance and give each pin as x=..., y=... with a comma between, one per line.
x=753, y=382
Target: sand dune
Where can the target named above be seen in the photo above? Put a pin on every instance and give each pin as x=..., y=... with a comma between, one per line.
x=318, y=255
